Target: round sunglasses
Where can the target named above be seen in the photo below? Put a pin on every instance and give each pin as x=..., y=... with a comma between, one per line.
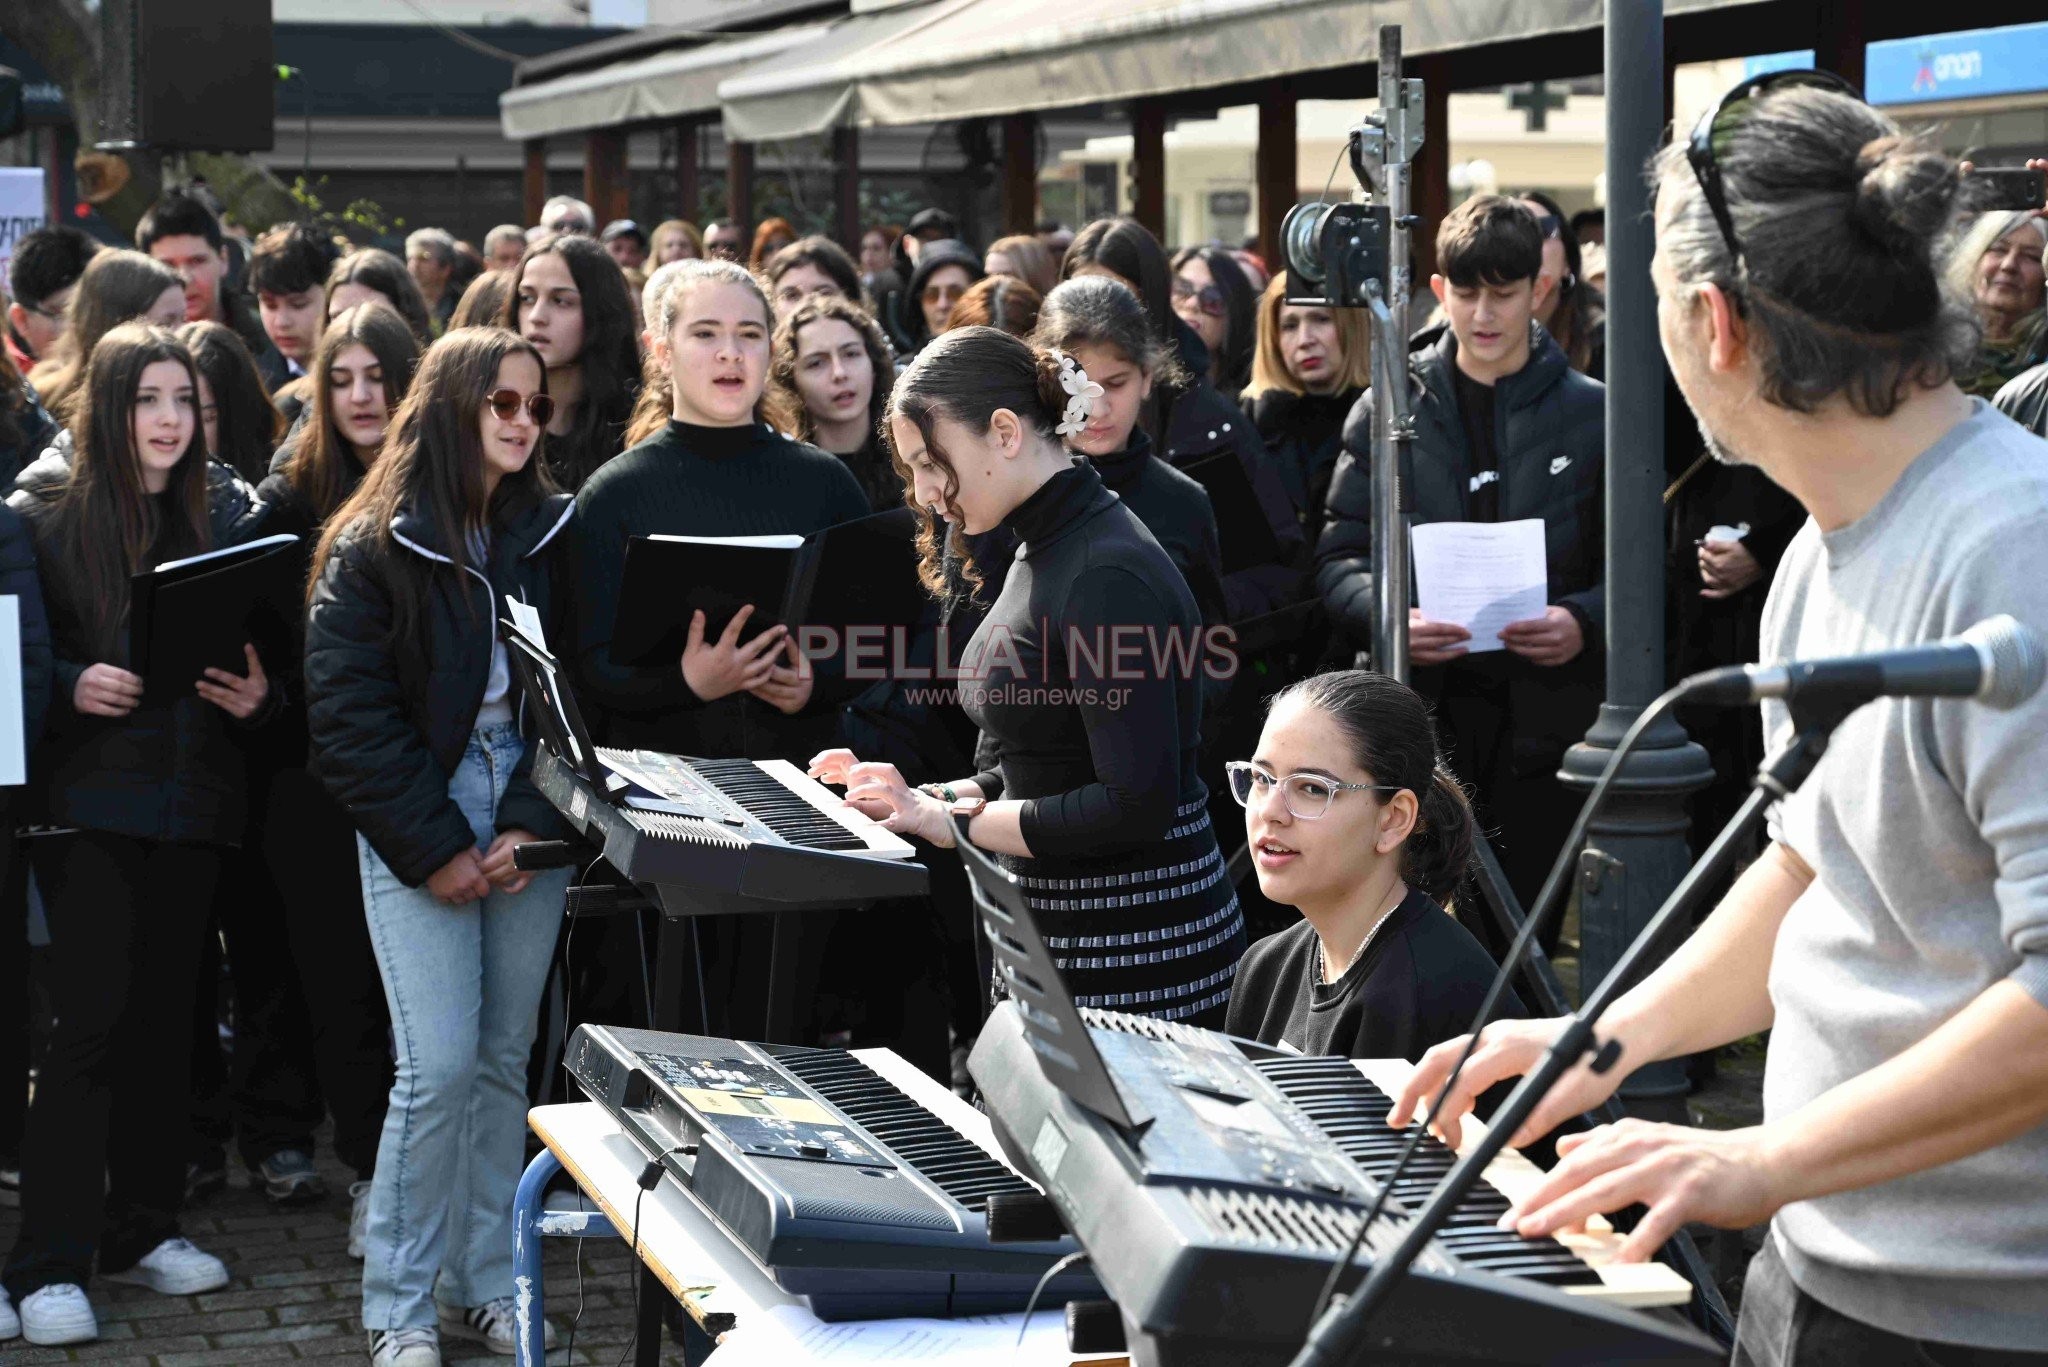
x=506, y=403
x=1209, y=299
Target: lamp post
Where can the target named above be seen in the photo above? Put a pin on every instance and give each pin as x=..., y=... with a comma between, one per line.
x=1636, y=850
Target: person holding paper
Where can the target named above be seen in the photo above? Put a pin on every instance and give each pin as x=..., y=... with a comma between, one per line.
x=156, y=789
x=410, y=710
x=1506, y=432
x=1084, y=679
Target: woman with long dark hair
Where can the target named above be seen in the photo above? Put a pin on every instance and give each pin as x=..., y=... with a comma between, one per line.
x=153, y=788
x=410, y=707
x=362, y=370
x=833, y=369
x=241, y=424
x=570, y=302
x=1355, y=821
x=1212, y=296
x=1192, y=421
x=1088, y=761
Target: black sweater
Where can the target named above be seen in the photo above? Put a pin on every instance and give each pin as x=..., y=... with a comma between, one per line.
x=1419, y=983
x=872, y=470
x=1304, y=435
x=692, y=481
x=1100, y=745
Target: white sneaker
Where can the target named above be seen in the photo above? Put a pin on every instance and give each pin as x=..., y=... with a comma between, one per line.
x=416, y=1347
x=10, y=1323
x=358, y=1218
x=57, y=1314
x=175, y=1267
x=494, y=1324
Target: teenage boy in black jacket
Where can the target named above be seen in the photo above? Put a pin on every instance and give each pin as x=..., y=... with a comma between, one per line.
x=1505, y=430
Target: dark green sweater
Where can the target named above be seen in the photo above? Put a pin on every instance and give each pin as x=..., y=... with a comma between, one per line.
x=695, y=481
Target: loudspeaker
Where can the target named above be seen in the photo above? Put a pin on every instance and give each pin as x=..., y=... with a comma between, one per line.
x=188, y=75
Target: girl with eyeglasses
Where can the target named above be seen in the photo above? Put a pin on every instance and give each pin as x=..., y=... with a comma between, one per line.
x=412, y=717
x=1355, y=820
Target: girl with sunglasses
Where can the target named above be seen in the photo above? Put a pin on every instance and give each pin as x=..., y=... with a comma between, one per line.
x=1573, y=311
x=1213, y=297
x=1355, y=820
x=410, y=707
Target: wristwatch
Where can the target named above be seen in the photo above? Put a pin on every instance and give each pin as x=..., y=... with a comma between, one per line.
x=956, y=805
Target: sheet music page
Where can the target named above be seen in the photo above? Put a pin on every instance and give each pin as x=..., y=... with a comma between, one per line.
x=790, y=1334
x=526, y=617
x=1482, y=576
x=13, y=747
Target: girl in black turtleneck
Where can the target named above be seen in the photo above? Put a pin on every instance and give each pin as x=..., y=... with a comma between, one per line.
x=1310, y=367
x=1103, y=327
x=1089, y=716
x=716, y=469
x=833, y=368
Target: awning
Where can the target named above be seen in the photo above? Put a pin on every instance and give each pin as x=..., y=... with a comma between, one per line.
x=978, y=58
x=959, y=59
x=666, y=85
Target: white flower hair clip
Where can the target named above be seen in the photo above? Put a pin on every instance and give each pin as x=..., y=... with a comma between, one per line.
x=1082, y=393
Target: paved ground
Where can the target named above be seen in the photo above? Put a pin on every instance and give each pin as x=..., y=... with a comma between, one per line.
x=296, y=1295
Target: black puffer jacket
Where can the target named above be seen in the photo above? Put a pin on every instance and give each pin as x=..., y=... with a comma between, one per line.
x=24, y=433
x=166, y=771
x=1550, y=432
x=390, y=718
x=1201, y=422
x=2024, y=399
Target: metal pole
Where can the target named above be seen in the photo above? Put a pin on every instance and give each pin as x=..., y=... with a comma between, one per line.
x=1400, y=117
x=1636, y=852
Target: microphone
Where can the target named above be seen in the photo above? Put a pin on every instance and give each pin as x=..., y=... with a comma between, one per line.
x=1999, y=661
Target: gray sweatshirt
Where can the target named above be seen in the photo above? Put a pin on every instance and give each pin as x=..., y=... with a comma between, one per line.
x=1927, y=829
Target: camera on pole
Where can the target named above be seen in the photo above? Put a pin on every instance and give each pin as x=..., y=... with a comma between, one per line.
x=1350, y=255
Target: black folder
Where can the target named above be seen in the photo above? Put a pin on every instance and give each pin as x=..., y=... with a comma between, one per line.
x=1247, y=537
x=859, y=573
x=191, y=615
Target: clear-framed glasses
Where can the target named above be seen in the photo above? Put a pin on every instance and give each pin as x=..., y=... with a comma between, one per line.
x=1307, y=796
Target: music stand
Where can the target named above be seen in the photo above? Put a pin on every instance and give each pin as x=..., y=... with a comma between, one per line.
x=554, y=707
x=1052, y=1023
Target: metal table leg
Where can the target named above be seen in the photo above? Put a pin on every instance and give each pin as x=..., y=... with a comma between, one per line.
x=531, y=1222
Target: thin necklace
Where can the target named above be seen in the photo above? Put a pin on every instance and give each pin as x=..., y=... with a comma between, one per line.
x=1322, y=967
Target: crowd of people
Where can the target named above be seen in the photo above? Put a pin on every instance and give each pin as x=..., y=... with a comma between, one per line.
x=1097, y=434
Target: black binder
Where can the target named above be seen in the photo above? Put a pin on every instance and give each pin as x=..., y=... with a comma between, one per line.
x=1247, y=537
x=188, y=616
x=859, y=573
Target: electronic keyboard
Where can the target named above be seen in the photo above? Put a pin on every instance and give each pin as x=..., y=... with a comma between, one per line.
x=1214, y=1220
x=737, y=835
x=851, y=1177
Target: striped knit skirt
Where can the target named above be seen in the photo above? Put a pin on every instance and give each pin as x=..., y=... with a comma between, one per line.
x=1156, y=935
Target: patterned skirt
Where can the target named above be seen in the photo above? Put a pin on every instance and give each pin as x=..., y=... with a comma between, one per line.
x=1154, y=936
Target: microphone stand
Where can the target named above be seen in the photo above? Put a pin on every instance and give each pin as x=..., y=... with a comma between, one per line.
x=1339, y=1336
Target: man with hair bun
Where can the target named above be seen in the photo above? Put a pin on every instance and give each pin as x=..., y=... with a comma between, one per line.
x=1894, y=936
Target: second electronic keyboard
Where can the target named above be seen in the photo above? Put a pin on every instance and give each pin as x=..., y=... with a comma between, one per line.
x=737, y=835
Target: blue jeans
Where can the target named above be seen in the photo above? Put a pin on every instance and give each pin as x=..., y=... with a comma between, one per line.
x=464, y=984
